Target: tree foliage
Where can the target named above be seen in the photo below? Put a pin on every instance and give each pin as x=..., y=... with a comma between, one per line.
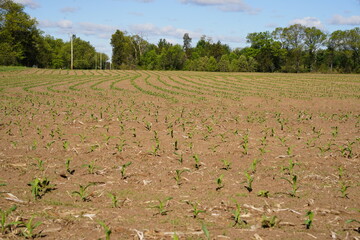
x=295, y=48
x=22, y=43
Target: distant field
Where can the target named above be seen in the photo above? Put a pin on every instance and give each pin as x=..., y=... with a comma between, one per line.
x=166, y=154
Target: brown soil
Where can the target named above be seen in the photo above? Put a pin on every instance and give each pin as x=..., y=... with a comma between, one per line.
x=162, y=122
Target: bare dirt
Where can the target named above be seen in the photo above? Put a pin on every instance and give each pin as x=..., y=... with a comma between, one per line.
x=292, y=144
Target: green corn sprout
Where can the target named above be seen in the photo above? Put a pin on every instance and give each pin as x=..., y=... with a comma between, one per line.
x=267, y=222
x=90, y=167
x=237, y=215
x=293, y=183
x=161, y=207
x=263, y=193
x=220, y=182
x=197, y=161
x=309, y=220
x=205, y=231
x=114, y=200
x=30, y=227
x=39, y=164
x=67, y=165
x=178, y=175
x=107, y=230
x=82, y=192
x=249, y=181
x=40, y=186
x=123, y=168
x=4, y=215
x=120, y=146
x=227, y=164
x=195, y=209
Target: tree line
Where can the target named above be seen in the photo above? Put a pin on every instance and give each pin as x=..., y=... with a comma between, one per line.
x=295, y=48
x=22, y=43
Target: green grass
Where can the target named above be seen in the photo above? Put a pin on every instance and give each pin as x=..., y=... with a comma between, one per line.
x=11, y=68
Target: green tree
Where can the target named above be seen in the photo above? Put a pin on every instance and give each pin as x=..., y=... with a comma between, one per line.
x=84, y=54
x=187, y=45
x=211, y=65
x=172, y=58
x=224, y=63
x=267, y=52
x=123, y=51
x=313, y=39
x=19, y=35
x=292, y=39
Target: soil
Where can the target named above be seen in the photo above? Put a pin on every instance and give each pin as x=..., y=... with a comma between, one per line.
x=295, y=136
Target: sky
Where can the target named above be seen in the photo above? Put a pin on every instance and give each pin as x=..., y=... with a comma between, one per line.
x=228, y=21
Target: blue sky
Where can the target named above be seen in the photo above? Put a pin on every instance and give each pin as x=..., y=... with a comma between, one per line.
x=226, y=20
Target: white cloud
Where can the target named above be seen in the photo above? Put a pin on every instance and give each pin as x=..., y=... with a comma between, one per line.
x=86, y=28
x=340, y=20
x=225, y=5
x=308, y=22
x=170, y=31
x=69, y=9
x=175, y=35
x=99, y=30
x=62, y=24
x=28, y=3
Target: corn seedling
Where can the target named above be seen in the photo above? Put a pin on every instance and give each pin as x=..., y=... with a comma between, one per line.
x=237, y=215
x=114, y=200
x=40, y=186
x=334, y=131
x=282, y=140
x=309, y=220
x=343, y=189
x=195, y=209
x=49, y=144
x=120, y=146
x=90, y=167
x=249, y=181
x=82, y=192
x=30, y=227
x=245, y=147
x=94, y=147
x=180, y=157
x=66, y=145
x=161, y=207
x=268, y=222
x=176, y=145
x=178, y=175
x=263, y=193
x=290, y=168
x=205, y=231
x=4, y=215
x=148, y=125
x=253, y=165
x=67, y=165
x=39, y=164
x=220, y=183
x=123, y=168
x=347, y=150
x=106, y=228
x=289, y=151
x=197, y=161
x=82, y=138
x=226, y=163
x=293, y=183
x=154, y=150
x=213, y=148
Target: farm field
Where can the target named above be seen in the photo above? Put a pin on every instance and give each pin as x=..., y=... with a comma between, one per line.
x=179, y=155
